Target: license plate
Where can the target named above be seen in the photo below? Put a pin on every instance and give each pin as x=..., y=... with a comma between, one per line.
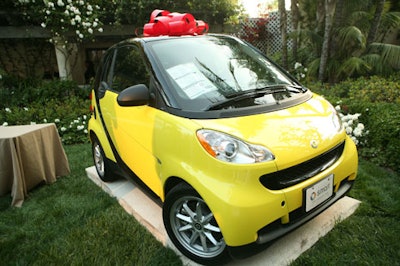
x=318, y=193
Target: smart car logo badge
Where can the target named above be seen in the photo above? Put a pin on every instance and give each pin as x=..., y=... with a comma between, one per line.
x=314, y=144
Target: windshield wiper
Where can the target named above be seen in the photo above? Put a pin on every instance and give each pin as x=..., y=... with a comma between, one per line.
x=268, y=89
x=239, y=96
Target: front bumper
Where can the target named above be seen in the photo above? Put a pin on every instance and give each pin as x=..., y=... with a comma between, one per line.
x=277, y=229
x=248, y=212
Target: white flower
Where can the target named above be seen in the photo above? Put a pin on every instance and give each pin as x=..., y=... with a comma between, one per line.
x=297, y=65
x=60, y=3
x=26, y=109
x=5, y=124
x=100, y=29
x=95, y=24
x=346, y=118
x=48, y=12
x=80, y=127
x=349, y=130
x=337, y=108
x=360, y=126
x=33, y=123
x=8, y=110
x=84, y=117
x=350, y=122
x=90, y=30
x=81, y=36
x=357, y=132
x=66, y=12
x=302, y=75
x=305, y=69
x=90, y=8
x=73, y=23
x=57, y=120
x=355, y=140
x=43, y=25
x=45, y=120
x=85, y=131
x=63, y=129
x=78, y=19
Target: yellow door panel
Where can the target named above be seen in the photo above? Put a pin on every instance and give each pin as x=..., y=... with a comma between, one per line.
x=132, y=132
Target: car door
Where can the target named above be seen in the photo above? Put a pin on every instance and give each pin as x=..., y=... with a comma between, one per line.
x=130, y=129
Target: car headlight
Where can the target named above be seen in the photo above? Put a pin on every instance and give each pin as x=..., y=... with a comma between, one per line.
x=230, y=149
x=336, y=120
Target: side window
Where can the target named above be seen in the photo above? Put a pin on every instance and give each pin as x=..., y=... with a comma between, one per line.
x=102, y=81
x=129, y=69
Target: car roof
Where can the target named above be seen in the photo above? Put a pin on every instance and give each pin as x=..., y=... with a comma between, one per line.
x=143, y=39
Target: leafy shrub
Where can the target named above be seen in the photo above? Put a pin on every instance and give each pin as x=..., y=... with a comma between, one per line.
x=377, y=100
x=383, y=123
x=20, y=92
x=375, y=89
x=27, y=102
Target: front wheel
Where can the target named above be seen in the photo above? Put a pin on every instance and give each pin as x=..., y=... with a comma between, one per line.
x=192, y=227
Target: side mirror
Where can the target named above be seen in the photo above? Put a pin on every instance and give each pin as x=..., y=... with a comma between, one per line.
x=134, y=96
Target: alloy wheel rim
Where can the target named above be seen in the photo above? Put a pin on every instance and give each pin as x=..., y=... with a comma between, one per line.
x=195, y=227
x=98, y=159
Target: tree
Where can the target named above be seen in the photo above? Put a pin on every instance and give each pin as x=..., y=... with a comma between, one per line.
x=341, y=50
x=283, y=29
x=137, y=12
x=330, y=6
x=375, y=23
x=295, y=24
x=65, y=19
x=68, y=21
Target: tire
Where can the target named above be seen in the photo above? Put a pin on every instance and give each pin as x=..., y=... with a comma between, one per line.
x=192, y=228
x=100, y=162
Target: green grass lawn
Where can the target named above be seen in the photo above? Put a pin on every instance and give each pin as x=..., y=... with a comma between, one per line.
x=73, y=222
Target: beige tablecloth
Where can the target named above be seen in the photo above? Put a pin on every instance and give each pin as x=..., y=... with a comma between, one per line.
x=29, y=155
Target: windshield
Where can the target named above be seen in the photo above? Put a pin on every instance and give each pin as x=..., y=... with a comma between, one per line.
x=207, y=72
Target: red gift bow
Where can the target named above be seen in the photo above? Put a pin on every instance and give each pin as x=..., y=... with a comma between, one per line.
x=162, y=22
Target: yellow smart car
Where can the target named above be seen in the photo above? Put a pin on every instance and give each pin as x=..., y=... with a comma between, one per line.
x=236, y=149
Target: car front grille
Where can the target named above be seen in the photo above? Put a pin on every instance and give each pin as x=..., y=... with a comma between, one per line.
x=301, y=172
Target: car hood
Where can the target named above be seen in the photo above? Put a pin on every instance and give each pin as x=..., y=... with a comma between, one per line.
x=293, y=135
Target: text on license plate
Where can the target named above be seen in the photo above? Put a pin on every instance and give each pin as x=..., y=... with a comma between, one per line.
x=319, y=192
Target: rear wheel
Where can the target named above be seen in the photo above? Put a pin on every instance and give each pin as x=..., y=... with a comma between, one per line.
x=99, y=160
x=192, y=227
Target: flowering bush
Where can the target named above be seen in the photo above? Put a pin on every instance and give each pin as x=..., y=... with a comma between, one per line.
x=77, y=17
x=70, y=121
x=60, y=102
x=354, y=128
x=300, y=71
